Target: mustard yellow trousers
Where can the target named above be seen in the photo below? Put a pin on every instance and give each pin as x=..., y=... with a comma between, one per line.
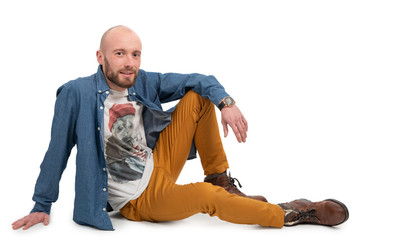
x=164, y=200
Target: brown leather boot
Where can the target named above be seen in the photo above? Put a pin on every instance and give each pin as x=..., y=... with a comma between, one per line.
x=329, y=212
x=227, y=182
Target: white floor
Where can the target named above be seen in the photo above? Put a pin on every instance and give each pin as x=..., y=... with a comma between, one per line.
x=368, y=218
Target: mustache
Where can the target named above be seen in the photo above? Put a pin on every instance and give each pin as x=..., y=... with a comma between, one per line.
x=131, y=69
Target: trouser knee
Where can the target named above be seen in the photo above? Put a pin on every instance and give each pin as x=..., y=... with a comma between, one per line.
x=193, y=96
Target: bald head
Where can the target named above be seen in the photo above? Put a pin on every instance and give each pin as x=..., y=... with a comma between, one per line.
x=120, y=57
x=117, y=33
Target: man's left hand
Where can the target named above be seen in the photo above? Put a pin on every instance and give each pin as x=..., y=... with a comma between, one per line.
x=232, y=116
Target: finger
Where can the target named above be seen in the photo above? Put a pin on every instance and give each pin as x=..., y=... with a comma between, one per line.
x=245, y=123
x=18, y=224
x=28, y=225
x=243, y=133
x=35, y=221
x=46, y=220
x=225, y=129
x=241, y=130
x=29, y=222
x=243, y=136
x=236, y=132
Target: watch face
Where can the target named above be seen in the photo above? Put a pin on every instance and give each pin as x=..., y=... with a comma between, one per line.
x=228, y=101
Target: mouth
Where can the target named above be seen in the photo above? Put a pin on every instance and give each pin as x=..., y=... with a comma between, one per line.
x=127, y=73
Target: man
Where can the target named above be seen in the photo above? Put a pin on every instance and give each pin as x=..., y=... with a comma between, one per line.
x=143, y=184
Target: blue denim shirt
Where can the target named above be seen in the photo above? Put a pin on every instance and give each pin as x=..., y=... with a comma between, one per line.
x=78, y=120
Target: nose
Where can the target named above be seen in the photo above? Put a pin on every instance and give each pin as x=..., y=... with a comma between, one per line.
x=132, y=61
x=129, y=62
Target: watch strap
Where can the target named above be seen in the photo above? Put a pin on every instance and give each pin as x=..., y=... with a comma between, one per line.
x=221, y=105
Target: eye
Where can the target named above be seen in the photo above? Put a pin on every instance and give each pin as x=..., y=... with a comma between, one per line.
x=118, y=53
x=136, y=54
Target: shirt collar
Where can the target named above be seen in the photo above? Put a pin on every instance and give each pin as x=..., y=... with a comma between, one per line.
x=102, y=84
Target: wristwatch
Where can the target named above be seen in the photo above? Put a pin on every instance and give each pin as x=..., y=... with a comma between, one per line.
x=226, y=102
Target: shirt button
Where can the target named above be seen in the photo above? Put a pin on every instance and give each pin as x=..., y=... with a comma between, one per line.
x=98, y=128
x=107, y=92
x=104, y=209
x=134, y=93
x=104, y=169
x=104, y=189
x=99, y=91
x=101, y=107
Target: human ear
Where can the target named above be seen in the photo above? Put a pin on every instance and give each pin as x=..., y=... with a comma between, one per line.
x=100, y=58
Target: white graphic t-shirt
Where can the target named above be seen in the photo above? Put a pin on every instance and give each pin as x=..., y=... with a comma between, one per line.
x=129, y=160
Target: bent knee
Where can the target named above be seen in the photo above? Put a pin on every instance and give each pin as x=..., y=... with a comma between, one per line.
x=193, y=96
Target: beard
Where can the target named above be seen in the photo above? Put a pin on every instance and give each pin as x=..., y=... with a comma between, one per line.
x=114, y=77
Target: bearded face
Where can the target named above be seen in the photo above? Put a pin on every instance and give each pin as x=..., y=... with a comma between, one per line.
x=123, y=77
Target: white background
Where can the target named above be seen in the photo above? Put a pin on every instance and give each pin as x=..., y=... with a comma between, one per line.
x=316, y=80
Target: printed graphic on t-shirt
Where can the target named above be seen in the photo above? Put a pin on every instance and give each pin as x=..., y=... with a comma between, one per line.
x=124, y=152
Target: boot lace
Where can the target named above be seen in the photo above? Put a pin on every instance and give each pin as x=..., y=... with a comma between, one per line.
x=306, y=216
x=233, y=180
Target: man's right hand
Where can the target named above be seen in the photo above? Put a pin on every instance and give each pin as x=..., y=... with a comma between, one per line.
x=31, y=219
